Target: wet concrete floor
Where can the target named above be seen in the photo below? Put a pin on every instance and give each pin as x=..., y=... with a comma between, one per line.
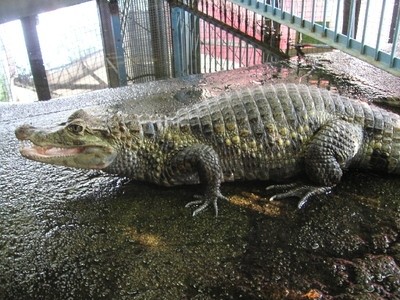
x=75, y=234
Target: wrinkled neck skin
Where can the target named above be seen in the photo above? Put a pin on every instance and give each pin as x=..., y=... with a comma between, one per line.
x=127, y=163
x=138, y=151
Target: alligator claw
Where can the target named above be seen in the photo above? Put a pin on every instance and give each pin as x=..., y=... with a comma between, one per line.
x=204, y=202
x=304, y=192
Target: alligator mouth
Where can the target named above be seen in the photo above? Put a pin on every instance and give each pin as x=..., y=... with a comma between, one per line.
x=31, y=150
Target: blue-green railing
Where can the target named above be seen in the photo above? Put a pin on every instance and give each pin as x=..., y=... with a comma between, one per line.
x=367, y=29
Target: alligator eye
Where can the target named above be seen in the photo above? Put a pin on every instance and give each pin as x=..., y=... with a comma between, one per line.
x=75, y=128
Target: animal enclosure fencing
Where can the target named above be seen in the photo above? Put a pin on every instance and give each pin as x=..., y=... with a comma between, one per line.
x=98, y=44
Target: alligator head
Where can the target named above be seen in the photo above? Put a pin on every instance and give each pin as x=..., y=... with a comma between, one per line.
x=81, y=142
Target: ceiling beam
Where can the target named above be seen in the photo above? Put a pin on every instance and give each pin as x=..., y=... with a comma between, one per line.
x=17, y=9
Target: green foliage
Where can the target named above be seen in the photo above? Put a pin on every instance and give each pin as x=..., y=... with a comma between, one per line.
x=4, y=96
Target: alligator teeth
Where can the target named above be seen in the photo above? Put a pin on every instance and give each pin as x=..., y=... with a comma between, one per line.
x=30, y=148
x=56, y=151
x=26, y=144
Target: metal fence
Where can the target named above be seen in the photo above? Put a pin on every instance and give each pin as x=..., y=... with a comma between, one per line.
x=367, y=29
x=71, y=49
x=155, y=39
x=176, y=38
x=146, y=34
x=218, y=35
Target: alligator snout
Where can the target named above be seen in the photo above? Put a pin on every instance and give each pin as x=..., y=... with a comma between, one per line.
x=23, y=132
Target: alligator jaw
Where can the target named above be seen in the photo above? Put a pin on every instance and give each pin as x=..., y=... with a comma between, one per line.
x=86, y=157
x=30, y=150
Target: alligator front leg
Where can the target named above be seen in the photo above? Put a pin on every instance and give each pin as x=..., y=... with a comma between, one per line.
x=197, y=164
x=333, y=148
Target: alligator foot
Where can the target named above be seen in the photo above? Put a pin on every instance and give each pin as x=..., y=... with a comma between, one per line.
x=205, y=201
x=303, y=192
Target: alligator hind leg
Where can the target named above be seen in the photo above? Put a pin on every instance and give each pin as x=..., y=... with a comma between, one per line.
x=198, y=163
x=331, y=150
x=304, y=192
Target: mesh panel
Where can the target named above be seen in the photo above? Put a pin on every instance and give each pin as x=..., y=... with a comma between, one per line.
x=229, y=36
x=223, y=50
x=72, y=49
x=146, y=39
x=72, y=53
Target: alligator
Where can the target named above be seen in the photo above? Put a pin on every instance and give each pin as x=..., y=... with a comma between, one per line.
x=271, y=132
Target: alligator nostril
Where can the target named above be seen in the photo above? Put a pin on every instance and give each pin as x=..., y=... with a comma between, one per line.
x=23, y=131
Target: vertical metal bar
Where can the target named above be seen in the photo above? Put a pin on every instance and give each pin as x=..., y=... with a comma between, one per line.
x=195, y=50
x=207, y=37
x=192, y=50
x=233, y=49
x=350, y=27
x=291, y=12
x=265, y=9
x=224, y=11
x=282, y=9
x=136, y=19
x=220, y=46
x=184, y=43
x=288, y=39
x=313, y=16
x=35, y=57
x=239, y=19
x=198, y=47
x=124, y=18
x=215, y=48
x=337, y=20
x=246, y=21
x=254, y=55
x=378, y=37
x=240, y=52
x=196, y=38
x=209, y=47
x=247, y=55
x=189, y=41
x=206, y=50
x=302, y=13
x=116, y=27
x=254, y=24
x=395, y=38
x=158, y=39
x=364, y=28
x=204, y=47
x=232, y=14
x=395, y=14
x=177, y=40
x=324, y=27
x=139, y=20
